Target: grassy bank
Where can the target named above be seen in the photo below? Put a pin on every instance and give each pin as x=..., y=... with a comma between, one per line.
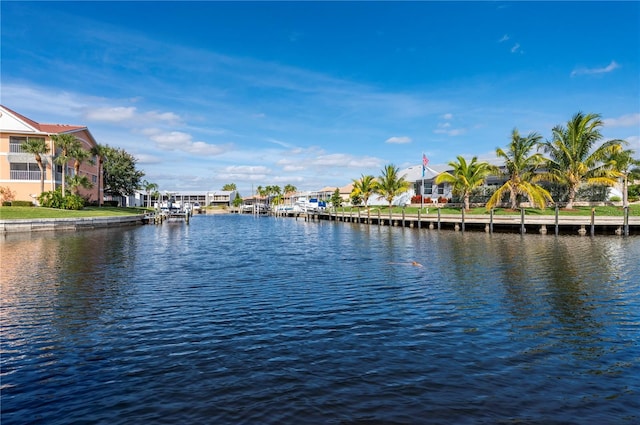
x=11, y=213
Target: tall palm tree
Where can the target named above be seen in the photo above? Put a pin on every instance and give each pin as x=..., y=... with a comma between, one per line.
x=521, y=166
x=289, y=189
x=465, y=177
x=390, y=184
x=365, y=186
x=576, y=156
x=149, y=187
x=277, y=192
x=625, y=164
x=38, y=147
x=100, y=152
x=79, y=155
x=66, y=143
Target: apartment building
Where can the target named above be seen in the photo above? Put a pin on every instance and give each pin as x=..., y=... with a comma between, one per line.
x=19, y=170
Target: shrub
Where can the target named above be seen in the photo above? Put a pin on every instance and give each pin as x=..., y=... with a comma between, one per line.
x=443, y=200
x=6, y=203
x=21, y=203
x=54, y=199
x=110, y=203
x=51, y=199
x=6, y=194
x=615, y=199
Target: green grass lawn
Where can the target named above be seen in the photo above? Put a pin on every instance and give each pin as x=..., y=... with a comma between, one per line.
x=10, y=213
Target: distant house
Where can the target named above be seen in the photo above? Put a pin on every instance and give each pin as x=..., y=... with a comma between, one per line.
x=221, y=197
x=19, y=170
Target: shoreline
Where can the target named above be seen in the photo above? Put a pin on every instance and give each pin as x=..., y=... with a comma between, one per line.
x=77, y=223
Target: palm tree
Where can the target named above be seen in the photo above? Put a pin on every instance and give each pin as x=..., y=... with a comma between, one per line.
x=521, y=168
x=390, y=185
x=38, y=147
x=623, y=162
x=76, y=181
x=66, y=143
x=465, y=177
x=100, y=152
x=277, y=191
x=364, y=187
x=79, y=155
x=573, y=159
x=149, y=187
x=289, y=189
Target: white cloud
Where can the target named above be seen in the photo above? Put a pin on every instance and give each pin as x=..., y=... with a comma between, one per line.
x=445, y=128
x=634, y=143
x=623, y=121
x=515, y=48
x=345, y=160
x=504, y=38
x=450, y=132
x=246, y=169
x=144, y=158
x=130, y=115
x=280, y=143
x=178, y=140
x=447, y=116
x=291, y=168
x=398, y=140
x=246, y=173
x=28, y=99
x=168, y=117
x=591, y=71
x=111, y=114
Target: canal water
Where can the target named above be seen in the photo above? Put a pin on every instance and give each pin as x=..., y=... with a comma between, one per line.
x=261, y=320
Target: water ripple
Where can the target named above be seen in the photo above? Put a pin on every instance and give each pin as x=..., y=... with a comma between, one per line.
x=244, y=320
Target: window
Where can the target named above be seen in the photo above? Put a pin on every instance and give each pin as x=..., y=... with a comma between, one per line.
x=24, y=171
x=15, y=144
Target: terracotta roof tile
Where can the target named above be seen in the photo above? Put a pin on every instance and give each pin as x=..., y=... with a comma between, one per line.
x=46, y=128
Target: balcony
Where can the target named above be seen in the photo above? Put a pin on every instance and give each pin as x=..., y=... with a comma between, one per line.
x=16, y=148
x=24, y=175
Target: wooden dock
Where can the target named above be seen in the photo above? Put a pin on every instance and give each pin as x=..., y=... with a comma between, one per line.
x=159, y=217
x=490, y=223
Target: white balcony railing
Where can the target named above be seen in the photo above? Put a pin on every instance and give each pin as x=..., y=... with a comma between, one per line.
x=16, y=148
x=24, y=175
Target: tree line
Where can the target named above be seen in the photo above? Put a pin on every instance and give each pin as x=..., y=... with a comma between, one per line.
x=575, y=155
x=117, y=171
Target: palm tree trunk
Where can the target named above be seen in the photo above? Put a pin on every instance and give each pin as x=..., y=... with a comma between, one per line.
x=466, y=202
x=513, y=196
x=42, y=170
x=100, y=195
x=64, y=177
x=572, y=197
x=625, y=190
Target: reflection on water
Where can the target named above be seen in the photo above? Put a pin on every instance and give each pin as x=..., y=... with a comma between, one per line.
x=237, y=319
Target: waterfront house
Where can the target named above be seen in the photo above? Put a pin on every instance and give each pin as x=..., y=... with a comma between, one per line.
x=19, y=170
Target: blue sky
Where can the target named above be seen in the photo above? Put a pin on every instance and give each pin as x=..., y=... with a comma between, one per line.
x=315, y=94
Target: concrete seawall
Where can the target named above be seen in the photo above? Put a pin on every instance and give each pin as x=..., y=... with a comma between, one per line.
x=80, y=223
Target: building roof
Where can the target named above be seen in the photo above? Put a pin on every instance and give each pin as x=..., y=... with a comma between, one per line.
x=36, y=126
x=414, y=173
x=348, y=188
